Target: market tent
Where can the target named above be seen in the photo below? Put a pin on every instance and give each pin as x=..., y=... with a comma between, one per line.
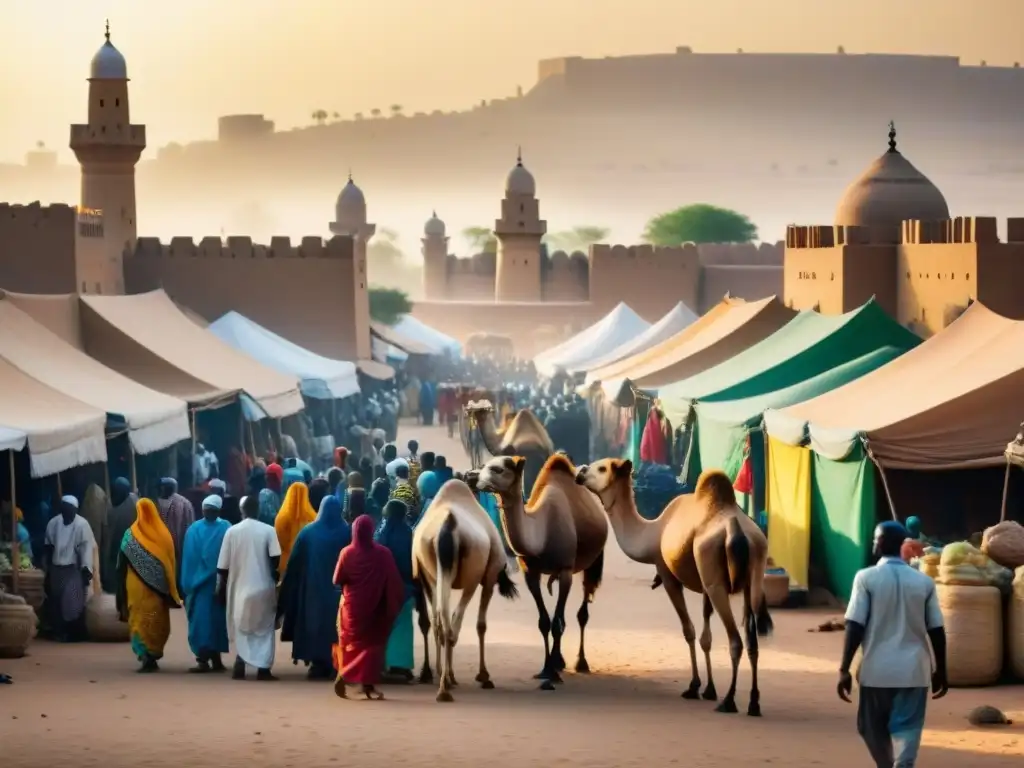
x=417, y=330
x=146, y=338
x=741, y=326
x=376, y=369
x=12, y=439
x=154, y=420
x=674, y=321
x=319, y=377
x=382, y=351
x=389, y=335
x=614, y=329
x=808, y=345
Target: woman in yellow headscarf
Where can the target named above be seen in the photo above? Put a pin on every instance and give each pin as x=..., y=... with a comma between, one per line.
x=146, y=584
x=295, y=514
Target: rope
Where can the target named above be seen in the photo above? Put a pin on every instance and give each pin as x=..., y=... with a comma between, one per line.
x=1006, y=488
x=881, y=474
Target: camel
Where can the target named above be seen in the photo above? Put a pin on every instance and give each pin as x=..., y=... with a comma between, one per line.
x=559, y=532
x=525, y=436
x=456, y=546
x=702, y=542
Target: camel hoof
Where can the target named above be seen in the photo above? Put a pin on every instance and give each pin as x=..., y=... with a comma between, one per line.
x=426, y=677
x=558, y=663
x=691, y=694
x=727, y=707
x=444, y=697
x=487, y=685
x=710, y=694
x=754, y=710
x=582, y=667
x=547, y=685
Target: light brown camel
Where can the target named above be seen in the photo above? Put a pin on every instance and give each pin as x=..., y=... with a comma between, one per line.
x=456, y=546
x=559, y=532
x=525, y=436
x=702, y=542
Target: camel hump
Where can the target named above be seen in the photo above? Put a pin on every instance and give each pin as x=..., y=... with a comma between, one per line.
x=715, y=488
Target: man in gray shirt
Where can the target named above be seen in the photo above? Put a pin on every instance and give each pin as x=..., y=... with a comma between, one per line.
x=894, y=614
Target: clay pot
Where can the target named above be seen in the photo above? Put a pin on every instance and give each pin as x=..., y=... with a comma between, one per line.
x=776, y=589
x=101, y=622
x=17, y=628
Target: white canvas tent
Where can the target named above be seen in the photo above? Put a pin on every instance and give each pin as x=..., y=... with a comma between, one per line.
x=319, y=377
x=675, y=320
x=416, y=330
x=382, y=351
x=613, y=330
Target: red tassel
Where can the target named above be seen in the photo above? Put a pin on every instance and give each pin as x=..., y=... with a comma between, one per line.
x=745, y=479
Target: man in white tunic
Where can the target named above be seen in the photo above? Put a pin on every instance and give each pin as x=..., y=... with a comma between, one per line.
x=67, y=563
x=247, y=584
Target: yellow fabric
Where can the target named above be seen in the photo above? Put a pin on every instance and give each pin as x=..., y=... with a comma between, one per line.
x=152, y=535
x=294, y=515
x=149, y=617
x=789, y=509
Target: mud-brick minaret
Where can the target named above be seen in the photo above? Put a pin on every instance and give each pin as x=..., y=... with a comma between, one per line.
x=435, y=259
x=519, y=232
x=350, y=221
x=107, y=148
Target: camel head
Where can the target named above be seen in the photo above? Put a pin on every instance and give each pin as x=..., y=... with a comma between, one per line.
x=500, y=474
x=477, y=410
x=602, y=475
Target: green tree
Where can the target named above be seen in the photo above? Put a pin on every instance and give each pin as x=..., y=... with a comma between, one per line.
x=700, y=223
x=396, y=110
x=578, y=238
x=387, y=305
x=384, y=248
x=319, y=116
x=375, y=112
x=480, y=239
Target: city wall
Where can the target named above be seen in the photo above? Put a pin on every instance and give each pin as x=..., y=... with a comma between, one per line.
x=280, y=285
x=37, y=248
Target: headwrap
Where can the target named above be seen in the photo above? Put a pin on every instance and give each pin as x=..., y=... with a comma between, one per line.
x=392, y=467
x=913, y=526
x=295, y=514
x=69, y=499
x=169, y=481
x=218, y=485
x=340, y=456
x=214, y=501
x=275, y=477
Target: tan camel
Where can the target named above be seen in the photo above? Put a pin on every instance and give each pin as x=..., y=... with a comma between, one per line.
x=702, y=542
x=559, y=532
x=456, y=546
x=525, y=436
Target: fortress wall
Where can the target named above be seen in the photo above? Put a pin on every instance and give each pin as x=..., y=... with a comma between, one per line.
x=742, y=253
x=566, y=277
x=470, y=279
x=37, y=248
x=297, y=290
x=650, y=279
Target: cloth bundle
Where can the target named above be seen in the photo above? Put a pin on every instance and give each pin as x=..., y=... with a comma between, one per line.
x=963, y=565
x=1004, y=543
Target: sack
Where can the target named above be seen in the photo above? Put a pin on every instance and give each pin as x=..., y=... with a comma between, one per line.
x=1004, y=543
x=965, y=575
x=962, y=553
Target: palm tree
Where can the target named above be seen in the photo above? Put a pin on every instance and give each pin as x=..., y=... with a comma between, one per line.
x=396, y=110
x=481, y=239
x=359, y=116
x=336, y=116
x=319, y=116
x=375, y=112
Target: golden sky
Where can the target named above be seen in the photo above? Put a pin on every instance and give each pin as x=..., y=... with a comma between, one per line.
x=192, y=60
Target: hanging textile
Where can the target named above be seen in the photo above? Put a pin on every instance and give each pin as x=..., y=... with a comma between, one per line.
x=789, y=509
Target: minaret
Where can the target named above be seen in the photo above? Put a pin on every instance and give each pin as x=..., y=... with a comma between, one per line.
x=107, y=148
x=519, y=232
x=350, y=221
x=435, y=260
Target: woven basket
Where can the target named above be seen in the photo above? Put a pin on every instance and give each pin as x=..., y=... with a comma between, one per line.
x=30, y=586
x=101, y=621
x=17, y=628
x=776, y=589
x=974, y=633
x=1015, y=626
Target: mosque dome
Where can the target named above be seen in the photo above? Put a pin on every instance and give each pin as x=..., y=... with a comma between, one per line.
x=108, y=63
x=351, y=205
x=434, y=226
x=520, y=181
x=889, y=192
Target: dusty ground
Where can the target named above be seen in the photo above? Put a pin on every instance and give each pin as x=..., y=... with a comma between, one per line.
x=84, y=704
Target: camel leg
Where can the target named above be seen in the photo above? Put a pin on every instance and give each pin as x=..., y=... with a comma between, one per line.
x=483, y=676
x=456, y=629
x=674, y=590
x=719, y=597
x=547, y=674
x=591, y=580
x=750, y=624
x=710, y=694
x=558, y=620
x=443, y=661
x=423, y=600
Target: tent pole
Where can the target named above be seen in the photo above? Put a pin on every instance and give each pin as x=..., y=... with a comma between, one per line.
x=60, y=486
x=135, y=477
x=192, y=413
x=1006, y=489
x=106, y=478
x=241, y=427
x=15, y=552
x=881, y=474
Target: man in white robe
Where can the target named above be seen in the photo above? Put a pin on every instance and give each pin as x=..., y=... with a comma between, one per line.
x=247, y=574
x=68, y=550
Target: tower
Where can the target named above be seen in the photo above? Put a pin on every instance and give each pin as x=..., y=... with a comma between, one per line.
x=435, y=260
x=519, y=232
x=107, y=148
x=350, y=221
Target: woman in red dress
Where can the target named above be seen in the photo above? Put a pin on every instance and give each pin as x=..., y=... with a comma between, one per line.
x=371, y=599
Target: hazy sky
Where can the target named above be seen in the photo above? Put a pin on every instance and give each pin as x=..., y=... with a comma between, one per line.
x=192, y=60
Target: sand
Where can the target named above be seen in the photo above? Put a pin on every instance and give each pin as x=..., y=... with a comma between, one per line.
x=84, y=705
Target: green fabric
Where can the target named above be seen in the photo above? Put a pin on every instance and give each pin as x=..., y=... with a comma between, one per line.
x=809, y=345
x=842, y=518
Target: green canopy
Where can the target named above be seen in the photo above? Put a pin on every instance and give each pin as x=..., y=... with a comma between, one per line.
x=809, y=345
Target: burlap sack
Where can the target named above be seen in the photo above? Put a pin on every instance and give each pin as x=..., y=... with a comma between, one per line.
x=1004, y=543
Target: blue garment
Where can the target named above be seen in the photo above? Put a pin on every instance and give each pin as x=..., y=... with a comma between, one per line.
x=292, y=475
x=427, y=484
x=396, y=534
x=270, y=504
x=309, y=599
x=24, y=541
x=207, y=620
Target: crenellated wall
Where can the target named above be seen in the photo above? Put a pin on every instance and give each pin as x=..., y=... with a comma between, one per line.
x=38, y=246
x=275, y=285
x=650, y=279
x=566, y=277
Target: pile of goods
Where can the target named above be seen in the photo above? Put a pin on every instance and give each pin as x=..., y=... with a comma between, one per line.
x=24, y=561
x=962, y=565
x=654, y=486
x=30, y=578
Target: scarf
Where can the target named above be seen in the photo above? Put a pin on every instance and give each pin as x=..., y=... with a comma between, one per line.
x=294, y=515
x=149, y=548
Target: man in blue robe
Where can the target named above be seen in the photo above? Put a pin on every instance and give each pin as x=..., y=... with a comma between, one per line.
x=309, y=600
x=207, y=620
